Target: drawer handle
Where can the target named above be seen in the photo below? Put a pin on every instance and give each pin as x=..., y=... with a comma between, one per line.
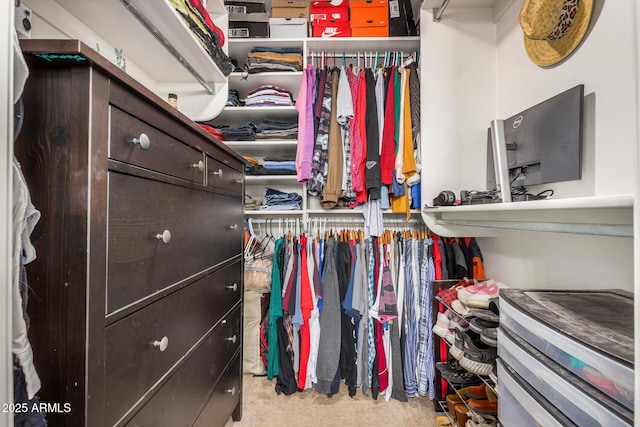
x=165, y=236
x=143, y=141
x=233, y=339
x=199, y=165
x=238, y=181
x=232, y=391
x=233, y=287
x=218, y=172
x=232, y=227
x=163, y=343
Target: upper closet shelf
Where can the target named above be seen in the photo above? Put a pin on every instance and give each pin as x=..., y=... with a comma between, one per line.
x=598, y=215
x=181, y=58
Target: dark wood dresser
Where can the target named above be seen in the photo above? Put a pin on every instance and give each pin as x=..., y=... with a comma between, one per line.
x=136, y=302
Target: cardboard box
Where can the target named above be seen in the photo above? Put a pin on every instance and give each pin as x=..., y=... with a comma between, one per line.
x=290, y=9
x=329, y=10
x=331, y=28
x=246, y=25
x=369, y=18
x=292, y=28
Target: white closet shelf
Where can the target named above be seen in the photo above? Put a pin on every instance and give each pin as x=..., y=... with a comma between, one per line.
x=375, y=44
x=237, y=75
x=272, y=179
x=609, y=215
x=138, y=44
x=342, y=211
x=273, y=147
x=274, y=213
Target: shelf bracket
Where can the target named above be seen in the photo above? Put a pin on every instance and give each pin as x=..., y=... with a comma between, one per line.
x=438, y=11
x=167, y=44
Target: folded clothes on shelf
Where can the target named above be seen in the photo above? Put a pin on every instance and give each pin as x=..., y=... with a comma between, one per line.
x=233, y=99
x=213, y=131
x=260, y=170
x=281, y=200
x=280, y=165
x=277, y=129
x=264, y=59
x=251, y=204
x=243, y=132
x=269, y=95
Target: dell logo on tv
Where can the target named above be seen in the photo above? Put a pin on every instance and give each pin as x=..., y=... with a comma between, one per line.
x=517, y=122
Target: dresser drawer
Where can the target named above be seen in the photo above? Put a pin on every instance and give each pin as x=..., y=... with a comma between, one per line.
x=224, y=399
x=200, y=229
x=179, y=400
x=153, y=150
x=220, y=175
x=144, y=346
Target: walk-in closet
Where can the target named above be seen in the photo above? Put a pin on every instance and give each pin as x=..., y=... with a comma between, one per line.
x=361, y=212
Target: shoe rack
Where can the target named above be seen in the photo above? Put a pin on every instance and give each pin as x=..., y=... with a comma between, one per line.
x=443, y=387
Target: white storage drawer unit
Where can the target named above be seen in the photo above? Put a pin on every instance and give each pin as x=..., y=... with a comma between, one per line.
x=589, y=333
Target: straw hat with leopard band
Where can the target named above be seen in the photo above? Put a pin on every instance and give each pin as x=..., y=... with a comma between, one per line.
x=553, y=28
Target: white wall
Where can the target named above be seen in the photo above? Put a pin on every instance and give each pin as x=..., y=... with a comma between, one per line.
x=606, y=63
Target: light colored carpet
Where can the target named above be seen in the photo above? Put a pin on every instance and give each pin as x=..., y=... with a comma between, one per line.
x=262, y=407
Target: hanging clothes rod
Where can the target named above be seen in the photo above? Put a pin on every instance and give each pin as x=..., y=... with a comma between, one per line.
x=292, y=222
x=438, y=11
x=167, y=44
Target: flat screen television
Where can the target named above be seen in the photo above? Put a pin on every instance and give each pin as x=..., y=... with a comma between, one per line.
x=543, y=143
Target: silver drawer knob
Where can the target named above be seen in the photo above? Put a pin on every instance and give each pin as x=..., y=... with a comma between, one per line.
x=231, y=391
x=165, y=236
x=233, y=287
x=238, y=181
x=232, y=227
x=199, y=166
x=143, y=141
x=233, y=339
x=162, y=344
x=218, y=172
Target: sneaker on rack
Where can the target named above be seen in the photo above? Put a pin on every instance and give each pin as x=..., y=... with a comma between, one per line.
x=489, y=336
x=477, y=357
x=442, y=326
x=478, y=325
x=477, y=420
x=459, y=323
x=460, y=309
x=478, y=295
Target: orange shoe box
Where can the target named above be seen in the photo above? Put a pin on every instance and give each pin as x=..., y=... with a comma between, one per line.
x=369, y=18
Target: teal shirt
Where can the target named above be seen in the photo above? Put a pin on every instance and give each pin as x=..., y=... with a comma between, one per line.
x=275, y=312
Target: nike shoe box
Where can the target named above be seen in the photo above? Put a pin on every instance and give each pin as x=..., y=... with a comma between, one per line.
x=291, y=28
x=369, y=18
x=587, y=334
x=330, y=18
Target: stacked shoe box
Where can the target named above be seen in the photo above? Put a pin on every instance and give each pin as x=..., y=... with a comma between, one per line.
x=247, y=18
x=565, y=358
x=330, y=18
x=369, y=18
x=289, y=19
